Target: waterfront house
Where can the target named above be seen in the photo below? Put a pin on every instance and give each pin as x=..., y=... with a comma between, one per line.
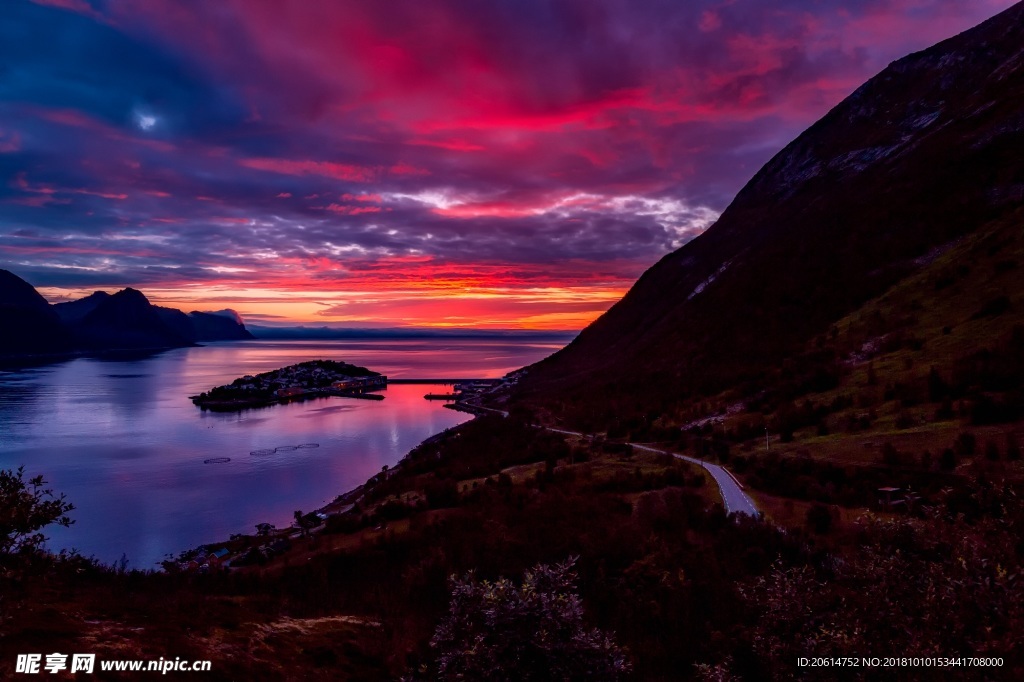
x=217, y=557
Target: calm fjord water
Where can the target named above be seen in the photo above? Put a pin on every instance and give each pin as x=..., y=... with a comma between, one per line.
x=122, y=440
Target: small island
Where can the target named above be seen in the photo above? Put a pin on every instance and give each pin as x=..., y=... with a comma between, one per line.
x=313, y=379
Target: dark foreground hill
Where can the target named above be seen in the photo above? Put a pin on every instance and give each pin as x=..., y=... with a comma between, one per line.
x=921, y=156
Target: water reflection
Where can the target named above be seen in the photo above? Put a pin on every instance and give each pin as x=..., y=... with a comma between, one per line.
x=122, y=440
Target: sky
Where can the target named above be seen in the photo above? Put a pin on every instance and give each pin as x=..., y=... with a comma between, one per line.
x=452, y=163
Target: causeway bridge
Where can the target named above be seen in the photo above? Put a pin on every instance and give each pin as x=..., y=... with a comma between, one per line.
x=443, y=381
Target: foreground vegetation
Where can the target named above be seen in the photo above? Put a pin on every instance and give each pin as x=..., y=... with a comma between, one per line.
x=662, y=585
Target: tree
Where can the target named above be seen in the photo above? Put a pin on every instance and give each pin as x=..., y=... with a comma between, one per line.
x=534, y=631
x=26, y=507
x=300, y=522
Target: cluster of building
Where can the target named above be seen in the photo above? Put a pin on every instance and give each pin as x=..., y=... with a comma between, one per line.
x=355, y=384
x=475, y=387
x=313, y=377
x=204, y=561
x=308, y=377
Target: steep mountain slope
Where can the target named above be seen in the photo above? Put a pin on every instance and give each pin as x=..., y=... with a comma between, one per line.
x=919, y=156
x=224, y=325
x=28, y=324
x=948, y=338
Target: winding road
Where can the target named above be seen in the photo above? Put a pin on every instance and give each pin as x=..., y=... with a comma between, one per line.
x=733, y=497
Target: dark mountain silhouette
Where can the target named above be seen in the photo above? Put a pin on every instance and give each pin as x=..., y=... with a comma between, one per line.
x=177, y=321
x=223, y=325
x=73, y=311
x=28, y=323
x=920, y=156
x=127, y=320
x=31, y=327
x=226, y=312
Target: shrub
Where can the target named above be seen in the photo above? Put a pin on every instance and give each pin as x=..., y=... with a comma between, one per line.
x=27, y=507
x=534, y=631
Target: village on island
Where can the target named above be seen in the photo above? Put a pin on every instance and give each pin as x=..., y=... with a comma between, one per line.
x=312, y=379
x=321, y=378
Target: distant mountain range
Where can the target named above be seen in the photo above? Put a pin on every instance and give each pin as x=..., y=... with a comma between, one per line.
x=910, y=190
x=328, y=333
x=101, y=322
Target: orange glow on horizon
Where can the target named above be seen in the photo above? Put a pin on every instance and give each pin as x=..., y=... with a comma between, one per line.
x=477, y=297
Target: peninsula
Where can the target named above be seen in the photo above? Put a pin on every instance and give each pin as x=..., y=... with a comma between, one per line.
x=313, y=379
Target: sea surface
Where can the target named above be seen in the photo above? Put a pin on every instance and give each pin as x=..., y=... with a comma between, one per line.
x=121, y=439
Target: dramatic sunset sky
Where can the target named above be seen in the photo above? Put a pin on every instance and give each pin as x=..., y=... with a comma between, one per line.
x=474, y=163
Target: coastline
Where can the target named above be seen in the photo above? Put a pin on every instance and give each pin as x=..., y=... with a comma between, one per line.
x=345, y=502
x=342, y=505
x=251, y=404
x=349, y=498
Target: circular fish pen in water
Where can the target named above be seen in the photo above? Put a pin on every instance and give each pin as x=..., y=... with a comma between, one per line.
x=284, y=448
x=217, y=460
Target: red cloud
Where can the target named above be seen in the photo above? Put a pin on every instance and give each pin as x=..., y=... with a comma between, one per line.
x=403, y=168
x=328, y=169
x=352, y=210
x=23, y=184
x=104, y=195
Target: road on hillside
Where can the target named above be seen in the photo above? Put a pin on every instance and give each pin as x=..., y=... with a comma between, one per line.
x=733, y=497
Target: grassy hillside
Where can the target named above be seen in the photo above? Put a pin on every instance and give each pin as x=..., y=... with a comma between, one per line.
x=941, y=349
x=687, y=592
